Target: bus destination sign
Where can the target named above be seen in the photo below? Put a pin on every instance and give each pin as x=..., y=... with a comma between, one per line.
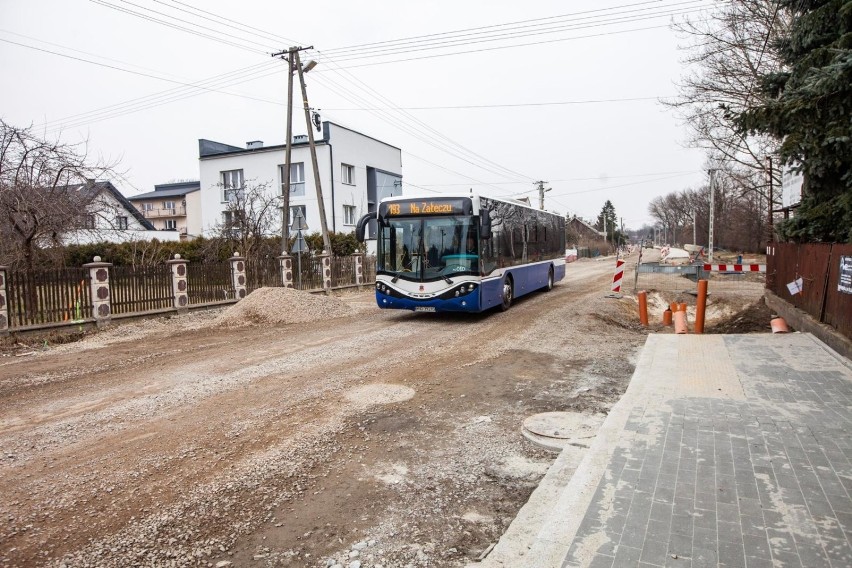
x=426, y=207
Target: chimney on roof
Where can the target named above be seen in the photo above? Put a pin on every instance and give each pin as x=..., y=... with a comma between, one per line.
x=300, y=138
x=254, y=144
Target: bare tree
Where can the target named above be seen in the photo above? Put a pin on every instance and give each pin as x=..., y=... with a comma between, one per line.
x=252, y=215
x=40, y=197
x=727, y=54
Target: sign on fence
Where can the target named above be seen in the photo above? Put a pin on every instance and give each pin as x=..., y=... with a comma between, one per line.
x=844, y=283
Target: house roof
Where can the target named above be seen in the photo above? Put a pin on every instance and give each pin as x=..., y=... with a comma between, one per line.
x=178, y=189
x=209, y=148
x=589, y=227
x=94, y=188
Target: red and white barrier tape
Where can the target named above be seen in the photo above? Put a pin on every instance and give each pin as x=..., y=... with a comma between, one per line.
x=619, y=274
x=735, y=267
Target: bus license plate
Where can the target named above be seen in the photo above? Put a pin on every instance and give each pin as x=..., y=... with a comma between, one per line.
x=424, y=309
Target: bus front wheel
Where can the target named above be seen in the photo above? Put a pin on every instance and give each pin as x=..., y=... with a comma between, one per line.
x=508, y=294
x=549, y=286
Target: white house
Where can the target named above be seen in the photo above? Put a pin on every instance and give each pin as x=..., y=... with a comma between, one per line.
x=172, y=207
x=111, y=217
x=356, y=172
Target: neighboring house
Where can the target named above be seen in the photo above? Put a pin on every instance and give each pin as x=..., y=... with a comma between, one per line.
x=356, y=172
x=585, y=231
x=172, y=207
x=111, y=217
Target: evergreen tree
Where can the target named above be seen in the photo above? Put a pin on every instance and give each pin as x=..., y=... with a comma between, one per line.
x=809, y=108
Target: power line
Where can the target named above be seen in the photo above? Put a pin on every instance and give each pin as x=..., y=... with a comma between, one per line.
x=176, y=26
x=492, y=32
x=615, y=19
x=510, y=105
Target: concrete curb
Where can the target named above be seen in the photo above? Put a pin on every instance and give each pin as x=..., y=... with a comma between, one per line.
x=802, y=321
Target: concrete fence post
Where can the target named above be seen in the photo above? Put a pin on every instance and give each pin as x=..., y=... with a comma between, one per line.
x=358, y=261
x=99, y=284
x=285, y=261
x=179, y=283
x=325, y=258
x=238, y=275
x=4, y=305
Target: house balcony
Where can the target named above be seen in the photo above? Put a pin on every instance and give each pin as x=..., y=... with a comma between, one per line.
x=164, y=213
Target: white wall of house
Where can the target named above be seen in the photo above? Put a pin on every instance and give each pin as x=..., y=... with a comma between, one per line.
x=193, y=214
x=110, y=221
x=261, y=165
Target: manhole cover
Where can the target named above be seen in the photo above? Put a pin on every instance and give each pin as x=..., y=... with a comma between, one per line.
x=555, y=430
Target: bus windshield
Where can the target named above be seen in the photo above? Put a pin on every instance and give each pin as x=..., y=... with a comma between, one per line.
x=431, y=248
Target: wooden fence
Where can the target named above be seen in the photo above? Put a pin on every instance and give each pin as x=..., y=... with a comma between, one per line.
x=56, y=297
x=48, y=296
x=822, y=292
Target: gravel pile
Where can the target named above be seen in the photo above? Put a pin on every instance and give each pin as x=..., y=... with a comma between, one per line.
x=283, y=305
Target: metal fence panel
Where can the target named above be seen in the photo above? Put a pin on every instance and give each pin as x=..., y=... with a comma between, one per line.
x=140, y=289
x=209, y=282
x=838, y=305
x=48, y=296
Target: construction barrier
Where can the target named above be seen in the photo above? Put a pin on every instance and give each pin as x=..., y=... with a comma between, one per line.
x=735, y=268
x=618, y=276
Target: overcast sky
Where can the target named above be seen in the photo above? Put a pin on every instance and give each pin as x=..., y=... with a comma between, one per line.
x=496, y=94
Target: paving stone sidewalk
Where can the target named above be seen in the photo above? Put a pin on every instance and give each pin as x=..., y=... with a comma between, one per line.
x=735, y=453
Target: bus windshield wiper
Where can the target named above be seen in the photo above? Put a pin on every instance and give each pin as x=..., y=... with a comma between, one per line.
x=447, y=280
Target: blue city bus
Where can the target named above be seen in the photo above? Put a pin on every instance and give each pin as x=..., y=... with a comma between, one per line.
x=462, y=253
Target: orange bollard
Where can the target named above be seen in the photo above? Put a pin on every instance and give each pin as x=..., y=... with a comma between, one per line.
x=700, y=306
x=667, y=317
x=674, y=307
x=643, y=307
x=680, y=323
x=778, y=325
x=681, y=307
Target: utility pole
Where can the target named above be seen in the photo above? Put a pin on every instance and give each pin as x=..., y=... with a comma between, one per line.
x=541, y=190
x=285, y=194
x=712, y=215
x=325, y=238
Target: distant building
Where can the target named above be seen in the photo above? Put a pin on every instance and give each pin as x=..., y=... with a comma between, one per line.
x=172, y=207
x=110, y=217
x=585, y=232
x=356, y=172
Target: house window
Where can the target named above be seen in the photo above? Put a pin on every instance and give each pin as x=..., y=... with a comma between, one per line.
x=232, y=185
x=297, y=179
x=90, y=221
x=121, y=222
x=347, y=174
x=294, y=209
x=348, y=214
x=170, y=225
x=168, y=204
x=147, y=206
x=230, y=218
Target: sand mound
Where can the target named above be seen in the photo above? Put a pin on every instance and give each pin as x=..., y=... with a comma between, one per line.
x=283, y=305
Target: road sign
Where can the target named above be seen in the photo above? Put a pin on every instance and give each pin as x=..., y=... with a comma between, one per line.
x=299, y=223
x=299, y=245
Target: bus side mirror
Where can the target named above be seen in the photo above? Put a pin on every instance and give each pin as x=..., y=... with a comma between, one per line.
x=484, y=224
x=361, y=227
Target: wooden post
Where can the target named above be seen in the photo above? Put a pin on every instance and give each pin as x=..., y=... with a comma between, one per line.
x=4, y=305
x=700, y=306
x=99, y=285
x=179, y=284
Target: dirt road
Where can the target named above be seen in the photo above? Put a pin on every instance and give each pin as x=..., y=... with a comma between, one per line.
x=386, y=438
